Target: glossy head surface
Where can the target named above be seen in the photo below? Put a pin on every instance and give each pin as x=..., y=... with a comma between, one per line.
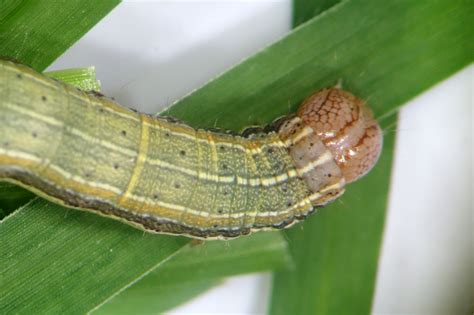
x=347, y=128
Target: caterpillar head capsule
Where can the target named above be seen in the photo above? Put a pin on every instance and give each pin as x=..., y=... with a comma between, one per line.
x=346, y=127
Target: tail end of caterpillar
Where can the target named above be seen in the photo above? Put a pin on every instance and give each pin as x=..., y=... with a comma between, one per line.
x=346, y=127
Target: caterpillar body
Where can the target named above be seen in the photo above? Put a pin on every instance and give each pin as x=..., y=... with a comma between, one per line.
x=85, y=151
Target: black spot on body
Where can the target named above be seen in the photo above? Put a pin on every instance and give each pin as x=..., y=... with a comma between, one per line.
x=43, y=98
x=116, y=166
x=124, y=133
x=177, y=185
x=34, y=134
x=19, y=76
x=182, y=152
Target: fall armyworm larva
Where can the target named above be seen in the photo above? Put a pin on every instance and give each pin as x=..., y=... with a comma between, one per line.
x=87, y=152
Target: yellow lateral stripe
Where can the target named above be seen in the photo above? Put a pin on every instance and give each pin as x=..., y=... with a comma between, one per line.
x=58, y=175
x=92, y=188
x=20, y=155
x=140, y=161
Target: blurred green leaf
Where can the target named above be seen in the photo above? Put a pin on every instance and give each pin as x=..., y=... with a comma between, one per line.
x=198, y=267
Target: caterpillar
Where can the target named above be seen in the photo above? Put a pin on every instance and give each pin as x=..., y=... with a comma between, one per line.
x=84, y=151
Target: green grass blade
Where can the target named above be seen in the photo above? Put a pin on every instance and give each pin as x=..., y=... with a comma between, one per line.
x=37, y=32
x=157, y=298
x=191, y=271
x=61, y=261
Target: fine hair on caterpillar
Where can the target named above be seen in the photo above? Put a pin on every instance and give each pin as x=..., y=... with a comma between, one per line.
x=85, y=151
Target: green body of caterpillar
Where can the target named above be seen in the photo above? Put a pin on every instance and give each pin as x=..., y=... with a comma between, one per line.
x=87, y=152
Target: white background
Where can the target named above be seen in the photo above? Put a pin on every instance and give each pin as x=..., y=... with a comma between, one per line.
x=150, y=53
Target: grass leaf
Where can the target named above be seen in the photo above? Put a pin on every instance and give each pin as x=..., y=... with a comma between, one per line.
x=65, y=261
x=189, y=272
x=37, y=32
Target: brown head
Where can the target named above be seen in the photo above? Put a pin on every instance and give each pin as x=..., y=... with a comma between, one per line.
x=346, y=127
